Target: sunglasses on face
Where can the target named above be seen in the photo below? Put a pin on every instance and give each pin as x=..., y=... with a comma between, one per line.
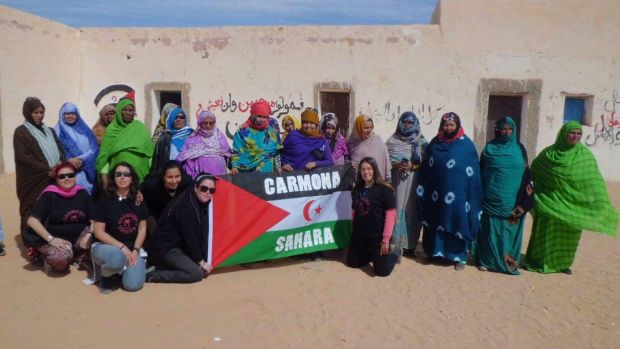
x=66, y=175
x=181, y=116
x=204, y=189
x=122, y=174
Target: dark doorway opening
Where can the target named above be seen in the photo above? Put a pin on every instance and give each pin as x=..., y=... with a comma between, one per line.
x=169, y=97
x=337, y=103
x=500, y=106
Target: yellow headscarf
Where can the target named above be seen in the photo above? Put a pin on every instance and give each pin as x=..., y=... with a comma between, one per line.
x=312, y=116
x=296, y=124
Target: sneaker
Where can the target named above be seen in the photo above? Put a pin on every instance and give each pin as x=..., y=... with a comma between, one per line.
x=148, y=273
x=483, y=268
x=567, y=271
x=105, y=284
x=2, y=249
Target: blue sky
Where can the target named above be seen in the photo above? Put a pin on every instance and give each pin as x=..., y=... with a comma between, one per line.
x=204, y=13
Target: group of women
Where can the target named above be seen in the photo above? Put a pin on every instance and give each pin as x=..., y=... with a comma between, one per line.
x=406, y=185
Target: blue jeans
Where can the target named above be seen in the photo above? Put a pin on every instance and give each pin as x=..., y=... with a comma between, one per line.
x=112, y=261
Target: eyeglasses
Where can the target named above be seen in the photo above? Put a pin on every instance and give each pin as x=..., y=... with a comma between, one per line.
x=66, y=175
x=204, y=189
x=122, y=174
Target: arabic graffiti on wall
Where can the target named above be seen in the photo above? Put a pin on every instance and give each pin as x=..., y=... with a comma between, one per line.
x=426, y=113
x=607, y=128
x=279, y=106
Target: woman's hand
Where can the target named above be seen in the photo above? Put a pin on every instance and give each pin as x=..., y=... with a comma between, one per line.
x=516, y=215
x=206, y=267
x=60, y=244
x=85, y=241
x=384, y=249
x=129, y=255
x=310, y=165
x=234, y=171
x=77, y=162
x=287, y=168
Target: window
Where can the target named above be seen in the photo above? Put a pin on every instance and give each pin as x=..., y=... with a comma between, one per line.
x=578, y=109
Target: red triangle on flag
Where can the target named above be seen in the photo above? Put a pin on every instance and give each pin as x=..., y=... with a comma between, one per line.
x=239, y=217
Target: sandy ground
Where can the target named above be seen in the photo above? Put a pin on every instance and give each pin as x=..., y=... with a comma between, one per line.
x=302, y=304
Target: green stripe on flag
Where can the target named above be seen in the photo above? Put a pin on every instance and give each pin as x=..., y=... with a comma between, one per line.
x=284, y=243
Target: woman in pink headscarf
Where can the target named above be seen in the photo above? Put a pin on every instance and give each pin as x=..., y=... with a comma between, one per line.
x=206, y=149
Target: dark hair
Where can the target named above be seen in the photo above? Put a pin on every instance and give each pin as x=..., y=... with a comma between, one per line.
x=376, y=175
x=64, y=164
x=170, y=164
x=203, y=176
x=134, y=188
x=30, y=105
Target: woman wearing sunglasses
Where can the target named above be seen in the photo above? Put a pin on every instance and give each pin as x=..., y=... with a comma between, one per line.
x=180, y=243
x=172, y=139
x=120, y=228
x=60, y=220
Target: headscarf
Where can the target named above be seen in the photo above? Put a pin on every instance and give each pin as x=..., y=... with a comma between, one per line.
x=502, y=169
x=179, y=136
x=204, y=142
x=41, y=133
x=356, y=137
x=100, y=126
x=570, y=188
x=77, y=139
x=126, y=142
x=258, y=108
x=161, y=126
x=337, y=143
x=450, y=137
x=312, y=116
x=407, y=142
x=296, y=124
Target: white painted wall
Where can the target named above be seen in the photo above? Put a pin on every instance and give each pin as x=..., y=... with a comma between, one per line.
x=569, y=45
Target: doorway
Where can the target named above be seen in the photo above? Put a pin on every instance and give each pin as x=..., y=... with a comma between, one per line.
x=337, y=103
x=500, y=106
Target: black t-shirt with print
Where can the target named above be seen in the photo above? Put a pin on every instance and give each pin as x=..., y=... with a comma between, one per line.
x=64, y=218
x=370, y=205
x=122, y=218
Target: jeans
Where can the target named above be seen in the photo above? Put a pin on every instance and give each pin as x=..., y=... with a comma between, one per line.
x=112, y=261
x=176, y=267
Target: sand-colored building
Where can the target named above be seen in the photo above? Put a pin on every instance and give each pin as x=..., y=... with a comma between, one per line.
x=538, y=61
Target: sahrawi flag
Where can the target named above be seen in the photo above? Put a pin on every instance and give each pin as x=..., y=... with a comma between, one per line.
x=260, y=216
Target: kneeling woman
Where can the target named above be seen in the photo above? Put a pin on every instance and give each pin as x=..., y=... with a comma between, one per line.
x=61, y=219
x=120, y=228
x=180, y=243
x=374, y=215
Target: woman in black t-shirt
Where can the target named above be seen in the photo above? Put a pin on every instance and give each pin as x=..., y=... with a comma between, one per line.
x=60, y=220
x=374, y=215
x=120, y=228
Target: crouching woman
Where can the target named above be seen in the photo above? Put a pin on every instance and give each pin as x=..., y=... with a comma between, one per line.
x=180, y=243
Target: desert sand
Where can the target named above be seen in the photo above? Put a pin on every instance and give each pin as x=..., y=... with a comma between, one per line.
x=295, y=303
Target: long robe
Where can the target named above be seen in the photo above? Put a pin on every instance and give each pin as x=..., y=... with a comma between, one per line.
x=570, y=197
x=31, y=170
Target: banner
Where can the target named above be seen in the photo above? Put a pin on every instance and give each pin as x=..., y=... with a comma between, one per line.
x=260, y=216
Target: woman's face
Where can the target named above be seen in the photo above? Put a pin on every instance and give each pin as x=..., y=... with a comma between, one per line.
x=506, y=131
x=207, y=124
x=330, y=131
x=179, y=122
x=205, y=190
x=65, y=178
x=70, y=118
x=449, y=127
x=407, y=124
x=574, y=136
x=368, y=127
x=129, y=112
x=367, y=172
x=289, y=126
x=37, y=115
x=261, y=120
x=309, y=127
x=122, y=177
x=109, y=116
x=172, y=178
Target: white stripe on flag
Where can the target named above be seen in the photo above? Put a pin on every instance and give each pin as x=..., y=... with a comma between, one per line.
x=322, y=208
x=210, y=247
